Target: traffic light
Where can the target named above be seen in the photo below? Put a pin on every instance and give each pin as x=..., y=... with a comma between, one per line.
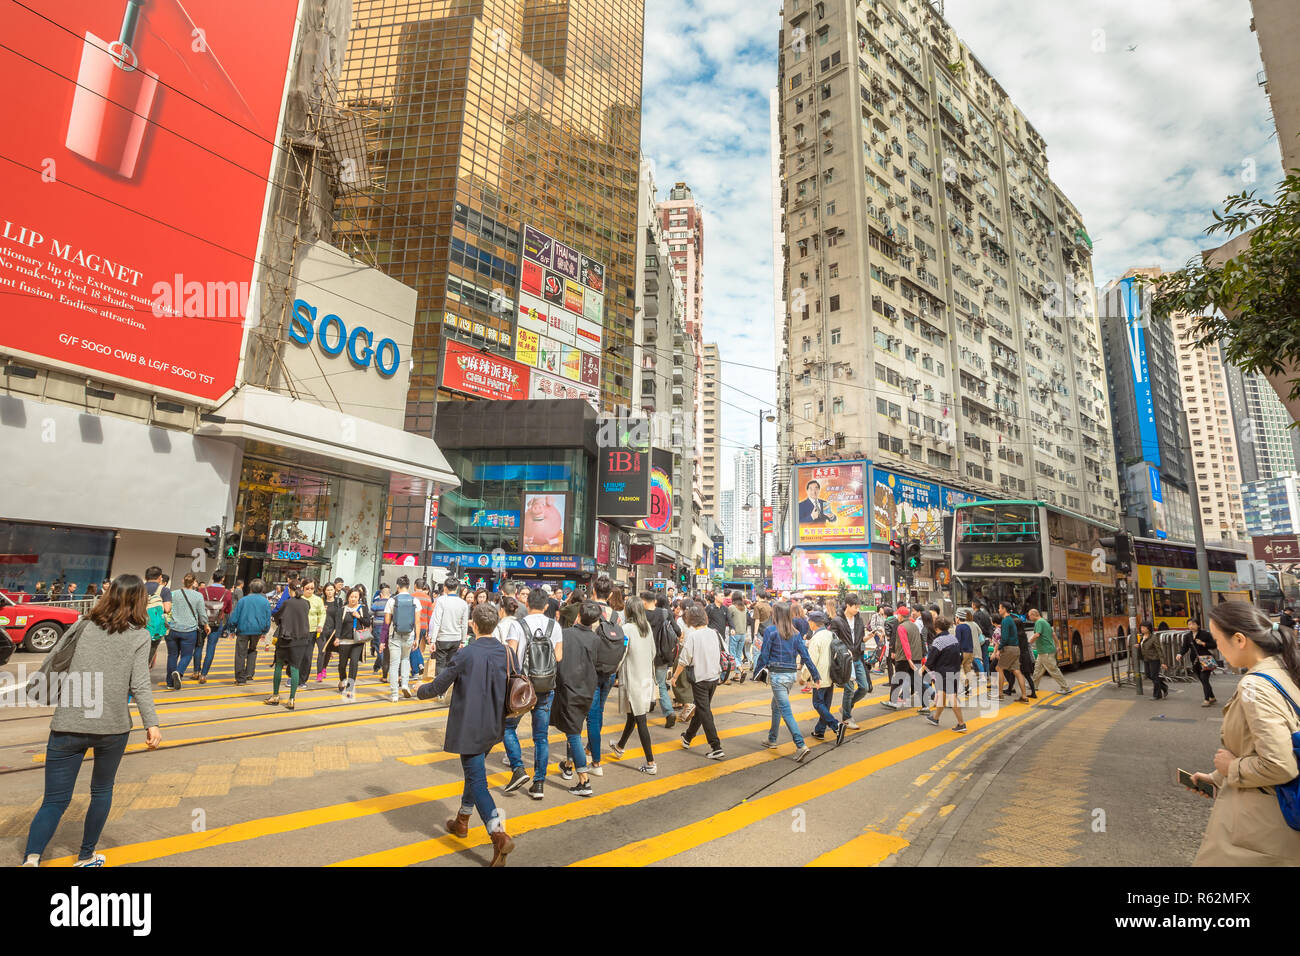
x=896, y=558
x=683, y=577
x=1119, y=551
x=913, y=555
x=212, y=542
x=230, y=549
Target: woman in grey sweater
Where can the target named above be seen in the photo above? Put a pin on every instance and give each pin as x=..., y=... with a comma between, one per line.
x=109, y=665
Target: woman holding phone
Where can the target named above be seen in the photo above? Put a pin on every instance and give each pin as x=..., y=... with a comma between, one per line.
x=1256, y=752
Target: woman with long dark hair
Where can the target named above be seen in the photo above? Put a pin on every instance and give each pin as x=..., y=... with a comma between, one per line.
x=329, y=624
x=111, y=644
x=1149, y=648
x=636, y=680
x=345, y=630
x=1199, y=643
x=1256, y=754
x=779, y=656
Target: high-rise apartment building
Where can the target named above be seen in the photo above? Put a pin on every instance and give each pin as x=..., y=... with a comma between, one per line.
x=488, y=115
x=727, y=520
x=1272, y=505
x=1146, y=403
x=781, y=502
x=664, y=373
x=941, y=318
x=683, y=224
x=1213, y=439
x=1269, y=446
x=1277, y=24
x=745, y=525
x=710, y=387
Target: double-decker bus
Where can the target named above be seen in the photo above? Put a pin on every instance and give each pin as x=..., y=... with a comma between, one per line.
x=1036, y=555
x=1169, y=586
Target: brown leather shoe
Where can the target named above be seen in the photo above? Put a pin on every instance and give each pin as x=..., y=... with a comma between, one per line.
x=459, y=825
x=501, y=847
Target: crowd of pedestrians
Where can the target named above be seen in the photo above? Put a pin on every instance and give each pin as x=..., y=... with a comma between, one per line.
x=470, y=649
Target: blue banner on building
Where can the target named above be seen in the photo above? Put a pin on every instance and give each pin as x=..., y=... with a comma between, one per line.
x=716, y=557
x=1155, y=485
x=1137, y=349
x=499, y=561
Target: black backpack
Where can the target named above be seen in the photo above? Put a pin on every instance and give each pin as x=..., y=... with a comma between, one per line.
x=841, y=662
x=665, y=640
x=539, y=660
x=610, y=645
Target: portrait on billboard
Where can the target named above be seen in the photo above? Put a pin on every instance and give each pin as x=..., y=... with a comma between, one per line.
x=829, y=502
x=545, y=515
x=812, y=509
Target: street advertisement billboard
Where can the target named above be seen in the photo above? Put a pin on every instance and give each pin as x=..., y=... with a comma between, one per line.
x=623, y=483
x=138, y=158
x=905, y=507
x=593, y=275
x=553, y=386
x=783, y=572
x=1130, y=299
x=660, y=518
x=466, y=369
x=545, y=517
x=483, y=518
x=825, y=570
x=829, y=502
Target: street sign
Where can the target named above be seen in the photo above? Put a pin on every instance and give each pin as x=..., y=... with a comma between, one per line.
x=1276, y=547
x=1254, y=572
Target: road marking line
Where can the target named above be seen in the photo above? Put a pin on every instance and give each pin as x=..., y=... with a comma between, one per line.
x=681, y=839
x=869, y=849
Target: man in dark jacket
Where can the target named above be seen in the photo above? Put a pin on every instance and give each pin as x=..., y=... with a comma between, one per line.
x=476, y=723
x=717, y=615
x=575, y=689
x=860, y=686
x=665, y=638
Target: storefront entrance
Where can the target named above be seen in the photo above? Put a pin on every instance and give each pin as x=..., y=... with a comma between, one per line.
x=292, y=519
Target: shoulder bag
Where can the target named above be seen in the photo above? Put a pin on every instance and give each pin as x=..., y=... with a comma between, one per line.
x=520, y=695
x=201, y=621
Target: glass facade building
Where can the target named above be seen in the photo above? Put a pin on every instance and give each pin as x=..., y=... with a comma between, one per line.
x=484, y=115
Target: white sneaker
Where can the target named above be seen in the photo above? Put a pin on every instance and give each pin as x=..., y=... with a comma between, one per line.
x=851, y=724
x=595, y=769
x=97, y=860
x=505, y=761
x=33, y=859
x=393, y=698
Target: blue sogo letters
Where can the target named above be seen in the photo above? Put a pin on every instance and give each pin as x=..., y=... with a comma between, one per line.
x=333, y=337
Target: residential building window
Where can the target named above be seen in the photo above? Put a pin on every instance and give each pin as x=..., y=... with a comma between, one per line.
x=835, y=333
x=837, y=406
x=835, y=305
x=833, y=270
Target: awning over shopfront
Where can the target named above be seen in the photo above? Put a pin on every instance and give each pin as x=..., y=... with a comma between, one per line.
x=329, y=440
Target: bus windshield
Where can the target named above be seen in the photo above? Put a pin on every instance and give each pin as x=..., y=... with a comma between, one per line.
x=995, y=523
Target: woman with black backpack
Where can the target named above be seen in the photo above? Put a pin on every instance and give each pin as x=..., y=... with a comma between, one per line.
x=636, y=681
x=665, y=637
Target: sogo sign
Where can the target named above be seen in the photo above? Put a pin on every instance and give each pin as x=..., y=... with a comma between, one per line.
x=333, y=337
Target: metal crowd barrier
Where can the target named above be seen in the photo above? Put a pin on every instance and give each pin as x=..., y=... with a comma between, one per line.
x=81, y=605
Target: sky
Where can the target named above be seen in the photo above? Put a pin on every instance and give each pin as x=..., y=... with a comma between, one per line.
x=1145, y=142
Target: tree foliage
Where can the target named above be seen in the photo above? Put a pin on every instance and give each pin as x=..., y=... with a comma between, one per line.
x=1249, y=305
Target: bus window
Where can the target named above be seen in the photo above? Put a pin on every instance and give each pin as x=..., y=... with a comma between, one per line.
x=1080, y=600
x=1113, y=602
x=1170, y=603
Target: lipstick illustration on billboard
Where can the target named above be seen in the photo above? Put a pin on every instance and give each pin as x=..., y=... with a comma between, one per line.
x=113, y=100
x=116, y=94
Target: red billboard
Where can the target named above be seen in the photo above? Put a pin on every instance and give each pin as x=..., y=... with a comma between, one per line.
x=138, y=152
x=466, y=369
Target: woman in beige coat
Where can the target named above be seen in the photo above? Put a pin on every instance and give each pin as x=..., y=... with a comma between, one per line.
x=637, y=687
x=1246, y=827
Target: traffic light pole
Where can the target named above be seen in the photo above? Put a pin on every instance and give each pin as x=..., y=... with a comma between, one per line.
x=1202, y=559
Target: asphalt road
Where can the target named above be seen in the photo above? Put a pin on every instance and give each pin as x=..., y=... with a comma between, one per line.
x=1077, y=780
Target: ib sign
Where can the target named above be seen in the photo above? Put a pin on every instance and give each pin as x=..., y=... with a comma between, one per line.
x=334, y=338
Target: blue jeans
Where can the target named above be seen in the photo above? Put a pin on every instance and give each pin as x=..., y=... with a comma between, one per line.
x=823, y=697
x=399, y=660
x=541, y=717
x=476, y=795
x=63, y=756
x=417, y=660
x=736, y=645
x=576, y=754
x=210, y=651
x=596, y=717
x=781, y=682
x=180, y=648
x=861, y=681
x=665, y=701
